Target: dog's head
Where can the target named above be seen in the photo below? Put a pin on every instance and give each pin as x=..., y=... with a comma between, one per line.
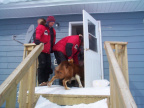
x=64, y=69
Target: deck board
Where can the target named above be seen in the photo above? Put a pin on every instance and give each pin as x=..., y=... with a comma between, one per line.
x=57, y=94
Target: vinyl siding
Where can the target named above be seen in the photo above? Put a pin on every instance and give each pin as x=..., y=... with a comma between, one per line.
x=128, y=27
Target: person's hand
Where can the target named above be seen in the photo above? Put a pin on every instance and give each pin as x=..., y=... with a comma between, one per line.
x=70, y=60
x=37, y=42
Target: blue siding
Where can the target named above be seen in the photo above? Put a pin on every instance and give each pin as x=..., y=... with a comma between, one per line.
x=127, y=27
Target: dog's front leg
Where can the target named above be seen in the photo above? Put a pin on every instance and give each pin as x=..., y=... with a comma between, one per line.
x=78, y=80
x=51, y=81
x=65, y=85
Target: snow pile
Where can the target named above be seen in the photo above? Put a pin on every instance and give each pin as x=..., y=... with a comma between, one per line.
x=57, y=89
x=100, y=83
x=44, y=103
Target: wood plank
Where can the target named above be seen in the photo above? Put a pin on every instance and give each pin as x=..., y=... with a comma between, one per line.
x=118, y=47
x=36, y=99
x=21, y=82
x=30, y=44
x=11, y=101
x=24, y=83
x=125, y=65
x=116, y=42
x=61, y=99
x=19, y=72
x=111, y=86
x=128, y=100
x=32, y=83
x=37, y=63
x=23, y=91
x=118, y=93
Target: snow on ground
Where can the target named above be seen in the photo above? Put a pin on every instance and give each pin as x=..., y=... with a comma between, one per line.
x=57, y=89
x=44, y=103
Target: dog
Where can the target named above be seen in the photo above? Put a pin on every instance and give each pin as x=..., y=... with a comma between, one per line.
x=68, y=71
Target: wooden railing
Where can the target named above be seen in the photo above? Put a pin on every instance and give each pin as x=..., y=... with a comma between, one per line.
x=25, y=73
x=120, y=95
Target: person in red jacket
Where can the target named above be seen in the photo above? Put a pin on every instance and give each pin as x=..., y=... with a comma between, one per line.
x=68, y=48
x=45, y=34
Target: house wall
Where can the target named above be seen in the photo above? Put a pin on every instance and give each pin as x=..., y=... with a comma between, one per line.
x=128, y=27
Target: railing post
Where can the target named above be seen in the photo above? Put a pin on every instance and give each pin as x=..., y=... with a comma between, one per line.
x=23, y=86
x=121, y=56
x=111, y=86
x=118, y=54
x=27, y=85
x=11, y=101
x=125, y=64
x=120, y=95
x=37, y=63
x=32, y=83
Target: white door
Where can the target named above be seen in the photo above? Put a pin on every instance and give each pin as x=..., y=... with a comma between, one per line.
x=93, y=63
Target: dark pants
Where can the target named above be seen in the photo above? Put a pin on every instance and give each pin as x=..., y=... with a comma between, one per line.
x=59, y=57
x=44, y=69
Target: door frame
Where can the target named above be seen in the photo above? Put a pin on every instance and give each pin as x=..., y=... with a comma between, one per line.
x=101, y=51
x=74, y=23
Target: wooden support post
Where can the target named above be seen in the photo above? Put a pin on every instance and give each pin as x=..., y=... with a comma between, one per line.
x=125, y=64
x=11, y=100
x=24, y=55
x=116, y=51
x=23, y=93
x=37, y=63
x=27, y=83
x=114, y=95
x=118, y=54
x=32, y=83
x=23, y=86
x=111, y=86
x=117, y=104
x=120, y=95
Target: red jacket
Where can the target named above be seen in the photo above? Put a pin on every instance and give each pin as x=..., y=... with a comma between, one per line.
x=43, y=35
x=74, y=42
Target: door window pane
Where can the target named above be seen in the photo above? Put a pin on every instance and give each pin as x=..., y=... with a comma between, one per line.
x=92, y=36
x=92, y=43
x=91, y=28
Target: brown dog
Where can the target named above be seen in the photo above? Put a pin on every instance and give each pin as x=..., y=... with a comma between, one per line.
x=68, y=71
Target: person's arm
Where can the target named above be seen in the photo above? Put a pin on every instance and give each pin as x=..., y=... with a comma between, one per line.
x=72, y=47
x=54, y=36
x=39, y=33
x=75, y=57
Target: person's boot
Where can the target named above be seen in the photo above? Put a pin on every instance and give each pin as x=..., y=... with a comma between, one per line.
x=43, y=84
x=60, y=82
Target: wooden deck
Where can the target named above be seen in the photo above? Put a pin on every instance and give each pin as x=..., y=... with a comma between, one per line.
x=57, y=94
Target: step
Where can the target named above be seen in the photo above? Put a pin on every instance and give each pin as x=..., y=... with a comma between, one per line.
x=45, y=103
x=57, y=94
